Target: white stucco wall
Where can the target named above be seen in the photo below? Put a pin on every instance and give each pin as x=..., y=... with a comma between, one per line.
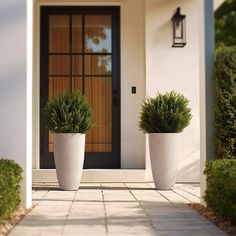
x=13, y=89
x=133, y=74
x=177, y=69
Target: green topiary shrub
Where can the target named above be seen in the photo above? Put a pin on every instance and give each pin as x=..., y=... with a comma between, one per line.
x=10, y=177
x=225, y=103
x=68, y=113
x=167, y=113
x=221, y=187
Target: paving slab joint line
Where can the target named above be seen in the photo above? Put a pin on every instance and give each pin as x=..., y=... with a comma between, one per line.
x=36, y=204
x=182, y=196
x=187, y=197
x=149, y=219
x=105, y=211
x=162, y=195
x=177, y=194
x=188, y=192
x=67, y=215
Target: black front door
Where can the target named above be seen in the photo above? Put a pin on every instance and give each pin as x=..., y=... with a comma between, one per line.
x=80, y=51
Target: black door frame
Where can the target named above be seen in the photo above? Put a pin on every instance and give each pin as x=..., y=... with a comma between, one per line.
x=95, y=160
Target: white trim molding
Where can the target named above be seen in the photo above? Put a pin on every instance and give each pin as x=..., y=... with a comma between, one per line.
x=27, y=179
x=207, y=47
x=94, y=175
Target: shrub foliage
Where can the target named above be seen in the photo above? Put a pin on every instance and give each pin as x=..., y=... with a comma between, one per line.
x=225, y=103
x=68, y=113
x=225, y=27
x=221, y=187
x=167, y=113
x=10, y=177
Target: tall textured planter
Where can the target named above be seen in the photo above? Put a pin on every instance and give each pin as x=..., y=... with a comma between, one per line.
x=164, y=154
x=69, y=159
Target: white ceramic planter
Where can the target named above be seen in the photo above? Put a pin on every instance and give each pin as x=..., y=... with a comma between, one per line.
x=69, y=159
x=164, y=159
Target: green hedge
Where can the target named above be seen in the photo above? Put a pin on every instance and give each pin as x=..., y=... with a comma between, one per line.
x=10, y=177
x=225, y=103
x=221, y=187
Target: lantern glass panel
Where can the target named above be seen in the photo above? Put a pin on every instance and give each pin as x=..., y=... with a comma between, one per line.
x=179, y=33
x=178, y=29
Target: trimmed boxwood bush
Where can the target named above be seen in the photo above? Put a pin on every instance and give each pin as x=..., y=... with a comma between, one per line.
x=225, y=103
x=10, y=177
x=165, y=113
x=221, y=187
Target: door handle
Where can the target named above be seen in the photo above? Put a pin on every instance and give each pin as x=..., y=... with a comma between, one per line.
x=115, y=101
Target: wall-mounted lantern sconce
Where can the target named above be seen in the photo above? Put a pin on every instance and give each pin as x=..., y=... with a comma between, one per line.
x=179, y=29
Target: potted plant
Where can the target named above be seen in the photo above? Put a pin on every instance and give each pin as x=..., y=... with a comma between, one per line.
x=163, y=118
x=68, y=116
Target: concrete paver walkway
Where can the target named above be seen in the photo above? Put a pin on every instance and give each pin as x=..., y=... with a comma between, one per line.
x=115, y=209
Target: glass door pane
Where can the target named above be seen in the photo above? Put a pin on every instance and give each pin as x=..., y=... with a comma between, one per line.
x=59, y=29
x=98, y=33
x=77, y=37
x=98, y=90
